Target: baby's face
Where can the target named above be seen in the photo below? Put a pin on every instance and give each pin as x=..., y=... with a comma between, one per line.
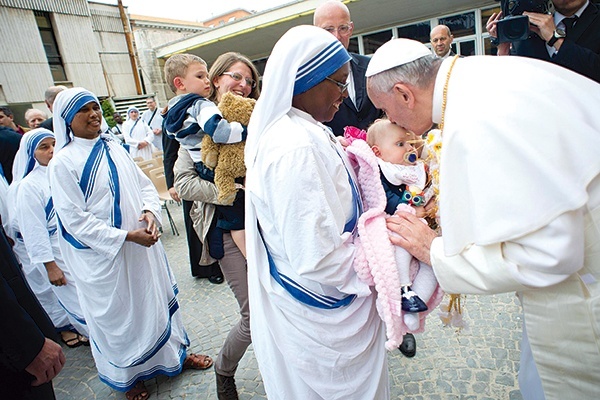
x=394, y=144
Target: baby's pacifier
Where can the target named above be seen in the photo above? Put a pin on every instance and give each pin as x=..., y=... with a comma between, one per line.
x=410, y=157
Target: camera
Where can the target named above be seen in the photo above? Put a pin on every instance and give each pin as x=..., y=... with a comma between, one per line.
x=514, y=26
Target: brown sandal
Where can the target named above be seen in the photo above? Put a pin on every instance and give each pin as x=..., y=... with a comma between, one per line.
x=197, y=361
x=138, y=392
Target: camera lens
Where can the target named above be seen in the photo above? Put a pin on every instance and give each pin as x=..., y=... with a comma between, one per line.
x=512, y=29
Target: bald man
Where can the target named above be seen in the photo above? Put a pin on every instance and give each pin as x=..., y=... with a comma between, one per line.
x=441, y=40
x=35, y=117
x=357, y=109
x=49, y=97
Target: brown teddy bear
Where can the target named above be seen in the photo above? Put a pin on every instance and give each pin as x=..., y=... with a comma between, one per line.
x=227, y=160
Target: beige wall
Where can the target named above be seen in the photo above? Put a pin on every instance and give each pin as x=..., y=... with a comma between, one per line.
x=79, y=52
x=147, y=37
x=24, y=71
x=112, y=49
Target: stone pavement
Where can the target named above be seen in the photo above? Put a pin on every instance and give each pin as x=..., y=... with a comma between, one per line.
x=478, y=364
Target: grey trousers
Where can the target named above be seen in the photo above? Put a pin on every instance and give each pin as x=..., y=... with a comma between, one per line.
x=235, y=270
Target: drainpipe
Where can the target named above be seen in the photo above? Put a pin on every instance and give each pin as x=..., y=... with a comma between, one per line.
x=129, y=40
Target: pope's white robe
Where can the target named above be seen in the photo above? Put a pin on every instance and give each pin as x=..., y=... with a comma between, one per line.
x=127, y=291
x=520, y=206
x=37, y=224
x=299, y=191
x=134, y=134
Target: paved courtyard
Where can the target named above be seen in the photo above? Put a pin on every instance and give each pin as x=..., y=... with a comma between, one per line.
x=480, y=363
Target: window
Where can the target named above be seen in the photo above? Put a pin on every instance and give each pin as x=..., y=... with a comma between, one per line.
x=460, y=24
x=487, y=45
x=466, y=48
x=419, y=31
x=353, y=45
x=50, y=46
x=374, y=41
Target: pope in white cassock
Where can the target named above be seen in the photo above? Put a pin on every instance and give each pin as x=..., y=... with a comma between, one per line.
x=315, y=328
x=107, y=210
x=519, y=196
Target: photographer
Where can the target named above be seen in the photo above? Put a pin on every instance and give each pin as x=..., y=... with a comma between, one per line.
x=569, y=38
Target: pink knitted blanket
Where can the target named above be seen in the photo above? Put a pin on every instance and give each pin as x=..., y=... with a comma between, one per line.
x=375, y=263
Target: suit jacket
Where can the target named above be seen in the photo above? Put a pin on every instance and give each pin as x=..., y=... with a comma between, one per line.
x=48, y=124
x=25, y=325
x=364, y=113
x=580, y=51
x=9, y=145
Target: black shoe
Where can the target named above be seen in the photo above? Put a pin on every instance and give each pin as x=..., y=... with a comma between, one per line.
x=412, y=303
x=226, y=389
x=216, y=279
x=409, y=345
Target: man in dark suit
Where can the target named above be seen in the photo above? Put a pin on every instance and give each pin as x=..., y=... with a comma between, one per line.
x=29, y=355
x=357, y=109
x=441, y=39
x=570, y=37
x=9, y=145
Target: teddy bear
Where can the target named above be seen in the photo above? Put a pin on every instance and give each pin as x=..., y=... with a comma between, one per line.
x=227, y=160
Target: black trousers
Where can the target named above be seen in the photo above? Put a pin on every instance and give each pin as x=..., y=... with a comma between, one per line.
x=195, y=247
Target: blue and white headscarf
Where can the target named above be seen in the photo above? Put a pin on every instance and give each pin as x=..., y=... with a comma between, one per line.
x=25, y=160
x=132, y=108
x=66, y=105
x=24, y=163
x=303, y=57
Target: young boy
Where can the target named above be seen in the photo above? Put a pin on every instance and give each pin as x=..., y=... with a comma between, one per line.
x=404, y=178
x=191, y=115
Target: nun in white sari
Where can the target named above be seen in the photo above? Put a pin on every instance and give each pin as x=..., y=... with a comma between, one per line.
x=138, y=135
x=107, y=209
x=315, y=329
x=35, y=273
x=36, y=220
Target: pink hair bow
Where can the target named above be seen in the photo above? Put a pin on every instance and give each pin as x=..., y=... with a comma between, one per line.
x=351, y=133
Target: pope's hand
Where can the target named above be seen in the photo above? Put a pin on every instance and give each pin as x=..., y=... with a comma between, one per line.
x=413, y=235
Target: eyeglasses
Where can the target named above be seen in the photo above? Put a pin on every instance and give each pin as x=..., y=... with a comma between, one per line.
x=342, y=86
x=238, y=78
x=343, y=30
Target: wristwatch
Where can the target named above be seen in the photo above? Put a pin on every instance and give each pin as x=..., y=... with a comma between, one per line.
x=558, y=34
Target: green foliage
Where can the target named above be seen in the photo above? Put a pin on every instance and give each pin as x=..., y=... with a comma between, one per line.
x=108, y=111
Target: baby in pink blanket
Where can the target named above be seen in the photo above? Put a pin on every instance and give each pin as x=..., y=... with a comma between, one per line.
x=404, y=178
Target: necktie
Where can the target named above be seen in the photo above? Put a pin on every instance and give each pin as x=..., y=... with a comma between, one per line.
x=569, y=23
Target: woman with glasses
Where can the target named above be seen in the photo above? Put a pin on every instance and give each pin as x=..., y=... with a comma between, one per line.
x=315, y=329
x=231, y=72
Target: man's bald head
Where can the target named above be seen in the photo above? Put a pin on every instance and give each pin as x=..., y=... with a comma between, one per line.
x=441, y=39
x=334, y=17
x=50, y=94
